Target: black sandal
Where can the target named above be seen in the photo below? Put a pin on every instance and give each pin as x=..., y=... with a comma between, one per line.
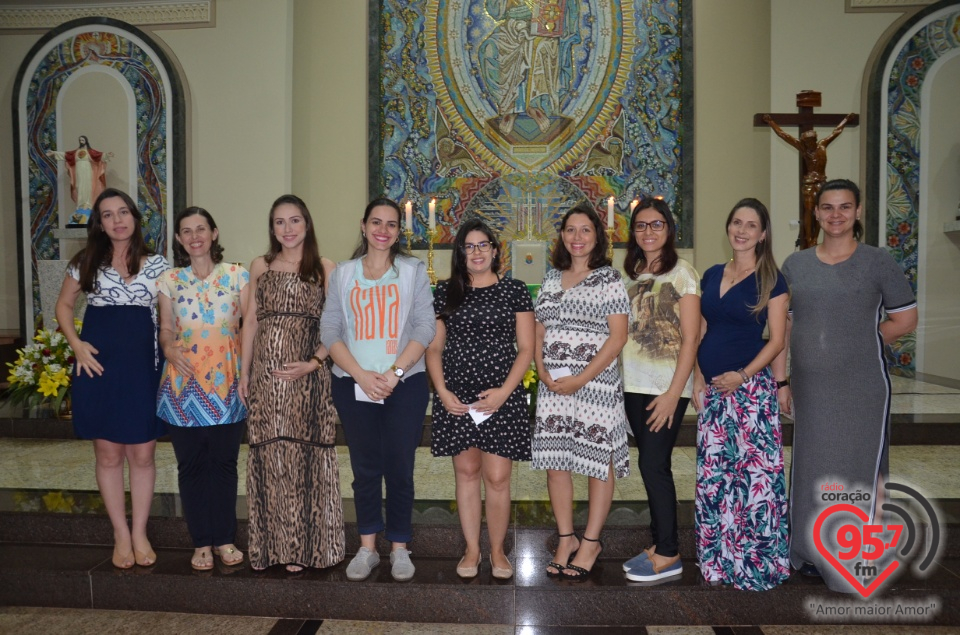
x=581, y=574
x=560, y=567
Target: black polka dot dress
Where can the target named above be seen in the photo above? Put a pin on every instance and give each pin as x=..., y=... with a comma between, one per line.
x=480, y=350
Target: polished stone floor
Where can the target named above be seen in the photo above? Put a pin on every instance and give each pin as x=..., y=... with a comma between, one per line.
x=67, y=464
x=28, y=621
x=44, y=475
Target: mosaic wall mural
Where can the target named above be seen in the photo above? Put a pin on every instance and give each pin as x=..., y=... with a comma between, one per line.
x=903, y=107
x=107, y=47
x=515, y=110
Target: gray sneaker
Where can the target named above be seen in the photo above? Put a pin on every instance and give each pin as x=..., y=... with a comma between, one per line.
x=401, y=567
x=362, y=564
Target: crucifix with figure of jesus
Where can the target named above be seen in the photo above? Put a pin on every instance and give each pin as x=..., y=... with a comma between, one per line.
x=813, y=153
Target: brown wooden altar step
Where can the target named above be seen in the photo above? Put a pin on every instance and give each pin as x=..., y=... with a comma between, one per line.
x=906, y=429
x=75, y=573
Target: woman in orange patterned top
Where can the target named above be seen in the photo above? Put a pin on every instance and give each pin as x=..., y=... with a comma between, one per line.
x=201, y=301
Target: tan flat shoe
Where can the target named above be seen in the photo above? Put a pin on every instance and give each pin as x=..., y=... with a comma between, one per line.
x=147, y=559
x=121, y=561
x=468, y=572
x=501, y=573
x=229, y=555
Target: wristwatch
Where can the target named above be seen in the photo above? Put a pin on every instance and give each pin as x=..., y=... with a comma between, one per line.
x=397, y=371
x=781, y=384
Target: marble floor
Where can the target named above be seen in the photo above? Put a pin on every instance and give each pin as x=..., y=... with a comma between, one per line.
x=28, y=621
x=57, y=475
x=68, y=464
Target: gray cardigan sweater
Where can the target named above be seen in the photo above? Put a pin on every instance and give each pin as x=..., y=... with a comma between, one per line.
x=417, y=319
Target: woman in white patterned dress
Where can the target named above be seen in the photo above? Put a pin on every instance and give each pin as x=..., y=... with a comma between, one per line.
x=581, y=426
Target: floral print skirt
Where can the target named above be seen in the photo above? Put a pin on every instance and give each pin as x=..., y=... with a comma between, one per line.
x=741, y=497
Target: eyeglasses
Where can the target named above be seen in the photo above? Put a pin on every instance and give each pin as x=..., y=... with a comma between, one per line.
x=656, y=226
x=482, y=247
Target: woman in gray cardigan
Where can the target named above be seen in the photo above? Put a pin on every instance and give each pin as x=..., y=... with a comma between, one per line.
x=377, y=323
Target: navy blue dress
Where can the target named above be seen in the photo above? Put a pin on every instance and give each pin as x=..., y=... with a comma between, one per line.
x=120, y=322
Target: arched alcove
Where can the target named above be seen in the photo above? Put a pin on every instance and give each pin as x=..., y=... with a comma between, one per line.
x=899, y=126
x=114, y=83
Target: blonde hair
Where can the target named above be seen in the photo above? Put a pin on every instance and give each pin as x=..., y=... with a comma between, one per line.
x=766, y=271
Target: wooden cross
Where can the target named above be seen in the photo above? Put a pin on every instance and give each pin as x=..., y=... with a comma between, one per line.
x=813, y=153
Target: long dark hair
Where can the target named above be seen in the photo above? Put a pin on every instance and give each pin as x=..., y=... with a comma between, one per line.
x=636, y=260
x=845, y=184
x=766, y=271
x=459, y=275
x=99, y=250
x=180, y=256
x=311, y=266
x=560, y=257
x=362, y=247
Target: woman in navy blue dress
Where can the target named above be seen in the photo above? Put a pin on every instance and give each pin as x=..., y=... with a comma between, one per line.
x=741, y=498
x=118, y=364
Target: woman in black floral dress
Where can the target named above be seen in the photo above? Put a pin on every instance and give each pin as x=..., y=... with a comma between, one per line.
x=483, y=347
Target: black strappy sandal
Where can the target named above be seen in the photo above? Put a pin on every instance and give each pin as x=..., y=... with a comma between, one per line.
x=561, y=567
x=581, y=574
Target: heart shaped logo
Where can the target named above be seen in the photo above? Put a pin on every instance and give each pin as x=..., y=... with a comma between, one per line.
x=825, y=551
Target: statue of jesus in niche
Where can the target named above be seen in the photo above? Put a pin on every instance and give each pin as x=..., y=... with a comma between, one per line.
x=87, y=170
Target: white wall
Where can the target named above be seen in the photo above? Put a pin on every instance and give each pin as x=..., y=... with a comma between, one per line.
x=938, y=334
x=241, y=85
x=330, y=119
x=13, y=48
x=732, y=58
x=815, y=45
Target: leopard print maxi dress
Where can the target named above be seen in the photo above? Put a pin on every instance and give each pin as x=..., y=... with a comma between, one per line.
x=293, y=483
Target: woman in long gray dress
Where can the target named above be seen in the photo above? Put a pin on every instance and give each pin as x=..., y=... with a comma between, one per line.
x=840, y=385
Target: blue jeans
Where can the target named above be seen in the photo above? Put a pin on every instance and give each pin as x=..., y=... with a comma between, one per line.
x=383, y=440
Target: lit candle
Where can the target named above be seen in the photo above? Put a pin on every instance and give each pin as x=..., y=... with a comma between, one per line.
x=433, y=214
x=408, y=214
x=633, y=205
x=610, y=212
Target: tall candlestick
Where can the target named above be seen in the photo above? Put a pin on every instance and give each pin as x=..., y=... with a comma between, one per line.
x=431, y=236
x=433, y=214
x=408, y=214
x=610, y=212
x=633, y=205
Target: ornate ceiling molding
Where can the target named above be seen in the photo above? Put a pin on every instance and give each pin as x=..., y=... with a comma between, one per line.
x=898, y=6
x=154, y=13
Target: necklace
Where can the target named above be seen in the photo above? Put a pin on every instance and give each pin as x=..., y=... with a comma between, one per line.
x=736, y=276
x=374, y=274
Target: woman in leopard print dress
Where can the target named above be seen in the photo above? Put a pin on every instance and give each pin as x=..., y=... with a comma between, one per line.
x=293, y=483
